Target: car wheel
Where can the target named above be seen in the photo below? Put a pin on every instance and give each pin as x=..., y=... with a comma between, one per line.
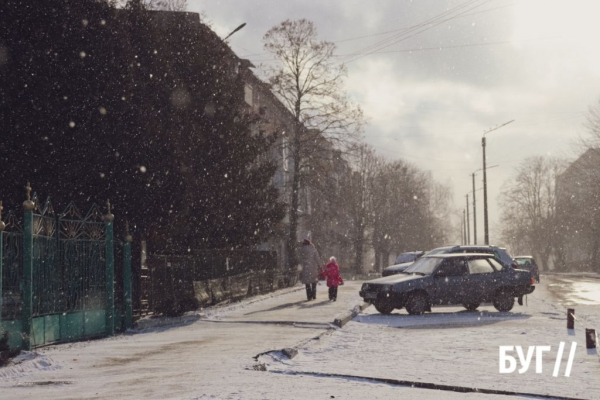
x=471, y=306
x=417, y=304
x=503, y=301
x=384, y=307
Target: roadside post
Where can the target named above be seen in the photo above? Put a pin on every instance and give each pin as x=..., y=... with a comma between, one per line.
x=2, y=226
x=127, y=278
x=590, y=338
x=570, y=318
x=110, y=273
x=27, y=310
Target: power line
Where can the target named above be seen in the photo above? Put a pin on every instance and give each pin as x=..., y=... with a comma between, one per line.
x=438, y=48
x=351, y=57
x=425, y=26
x=423, y=158
x=413, y=28
x=378, y=33
x=404, y=29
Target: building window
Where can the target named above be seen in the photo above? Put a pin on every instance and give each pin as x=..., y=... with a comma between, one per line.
x=248, y=94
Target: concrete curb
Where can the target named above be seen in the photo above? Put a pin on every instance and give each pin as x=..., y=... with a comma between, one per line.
x=158, y=322
x=193, y=316
x=291, y=352
x=340, y=322
x=589, y=275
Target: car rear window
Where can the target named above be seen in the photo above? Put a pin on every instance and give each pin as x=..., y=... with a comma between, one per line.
x=503, y=256
x=496, y=264
x=406, y=257
x=480, y=266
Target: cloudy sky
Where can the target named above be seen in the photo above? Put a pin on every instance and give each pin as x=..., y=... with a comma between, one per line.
x=433, y=75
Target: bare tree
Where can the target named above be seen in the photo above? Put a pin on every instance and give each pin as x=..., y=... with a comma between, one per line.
x=359, y=196
x=310, y=84
x=410, y=211
x=528, y=202
x=438, y=212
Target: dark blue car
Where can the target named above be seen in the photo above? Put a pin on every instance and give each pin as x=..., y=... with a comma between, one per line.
x=449, y=279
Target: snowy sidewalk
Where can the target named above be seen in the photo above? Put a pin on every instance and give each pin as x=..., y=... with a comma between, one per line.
x=211, y=357
x=292, y=308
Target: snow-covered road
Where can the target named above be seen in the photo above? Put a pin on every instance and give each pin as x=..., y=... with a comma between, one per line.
x=211, y=354
x=452, y=346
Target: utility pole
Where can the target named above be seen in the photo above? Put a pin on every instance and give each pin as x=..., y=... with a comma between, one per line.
x=486, y=236
x=474, y=213
x=468, y=222
x=464, y=229
x=485, y=203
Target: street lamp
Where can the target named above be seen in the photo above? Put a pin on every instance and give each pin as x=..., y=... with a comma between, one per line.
x=475, y=203
x=234, y=31
x=485, y=204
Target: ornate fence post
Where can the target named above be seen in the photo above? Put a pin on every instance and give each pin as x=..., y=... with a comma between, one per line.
x=127, y=279
x=2, y=226
x=27, y=312
x=110, y=273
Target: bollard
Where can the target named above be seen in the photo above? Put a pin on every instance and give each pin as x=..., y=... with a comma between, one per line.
x=570, y=318
x=590, y=338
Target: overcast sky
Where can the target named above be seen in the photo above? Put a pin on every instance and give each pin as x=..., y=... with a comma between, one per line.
x=432, y=91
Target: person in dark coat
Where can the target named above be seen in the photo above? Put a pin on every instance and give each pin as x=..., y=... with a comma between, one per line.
x=334, y=278
x=311, y=265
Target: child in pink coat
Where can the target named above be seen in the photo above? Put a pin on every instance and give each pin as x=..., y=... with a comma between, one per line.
x=334, y=278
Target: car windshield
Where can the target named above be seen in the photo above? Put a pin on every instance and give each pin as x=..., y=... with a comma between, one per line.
x=406, y=257
x=523, y=261
x=441, y=250
x=424, y=266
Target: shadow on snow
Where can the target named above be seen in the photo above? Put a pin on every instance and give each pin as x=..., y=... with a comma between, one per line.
x=440, y=320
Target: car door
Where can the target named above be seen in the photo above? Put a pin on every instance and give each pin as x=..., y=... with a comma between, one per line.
x=482, y=280
x=450, y=281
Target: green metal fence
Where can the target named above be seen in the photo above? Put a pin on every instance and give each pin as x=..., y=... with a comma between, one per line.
x=58, y=275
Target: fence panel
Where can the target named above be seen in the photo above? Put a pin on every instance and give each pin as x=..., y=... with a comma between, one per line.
x=12, y=272
x=182, y=282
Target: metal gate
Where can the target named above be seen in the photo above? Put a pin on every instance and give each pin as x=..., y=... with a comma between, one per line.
x=57, y=275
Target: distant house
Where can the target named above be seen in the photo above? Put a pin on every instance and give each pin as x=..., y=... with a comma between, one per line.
x=578, y=211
